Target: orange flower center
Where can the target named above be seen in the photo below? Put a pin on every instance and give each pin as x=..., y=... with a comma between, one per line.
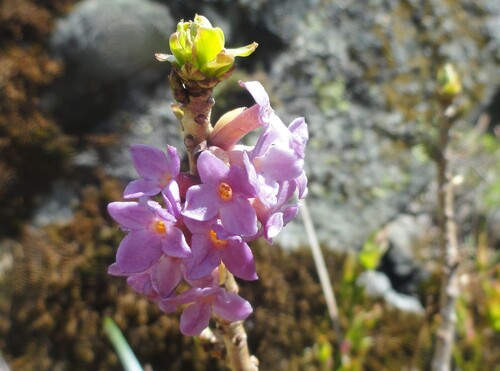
x=225, y=191
x=217, y=243
x=160, y=227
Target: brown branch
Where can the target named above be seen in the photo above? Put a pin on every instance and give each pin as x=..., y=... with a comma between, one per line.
x=449, y=249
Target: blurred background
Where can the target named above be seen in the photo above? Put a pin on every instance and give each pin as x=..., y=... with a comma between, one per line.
x=79, y=83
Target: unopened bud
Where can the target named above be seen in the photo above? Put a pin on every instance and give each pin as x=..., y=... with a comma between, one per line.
x=198, y=52
x=449, y=84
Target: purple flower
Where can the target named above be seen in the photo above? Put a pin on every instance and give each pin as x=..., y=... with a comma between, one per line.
x=211, y=244
x=224, y=192
x=156, y=168
x=194, y=319
x=152, y=233
x=274, y=216
x=160, y=281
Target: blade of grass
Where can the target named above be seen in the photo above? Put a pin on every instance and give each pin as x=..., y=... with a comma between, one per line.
x=123, y=350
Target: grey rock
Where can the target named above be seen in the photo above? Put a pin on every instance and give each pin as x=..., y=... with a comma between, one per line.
x=405, y=234
x=377, y=285
x=57, y=208
x=107, y=41
x=108, y=47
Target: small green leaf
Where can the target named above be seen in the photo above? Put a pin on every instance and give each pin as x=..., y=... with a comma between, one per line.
x=372, y=251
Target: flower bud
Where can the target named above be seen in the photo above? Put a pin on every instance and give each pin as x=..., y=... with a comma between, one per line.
x=198, y=53
x=449, y=84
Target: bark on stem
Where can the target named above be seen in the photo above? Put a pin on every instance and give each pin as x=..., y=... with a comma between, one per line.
x=193, y=109
x=449, y=248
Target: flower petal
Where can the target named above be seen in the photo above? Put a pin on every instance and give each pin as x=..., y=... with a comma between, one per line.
x=141, y=187
x=231, y=307
x=238, y=259
x=206, y=257
x=173, y=161
x=240, y=181
x=131, y=215
x=212, y=169
x=166, y=275
x=174, y=244
x=141, y=283
x=150, y=162
x=260, y=95
x=195, y=319
x=226, y=135
x=279, y=164
x=239, y=217
x=138, y=251
x=274, y=225
x=202, y=203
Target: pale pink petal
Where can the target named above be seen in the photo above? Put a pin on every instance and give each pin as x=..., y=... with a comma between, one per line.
x=260, y=96
x=228, y=135
x=274, y=225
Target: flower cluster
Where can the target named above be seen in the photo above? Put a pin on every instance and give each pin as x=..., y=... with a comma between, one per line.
x=183, y=230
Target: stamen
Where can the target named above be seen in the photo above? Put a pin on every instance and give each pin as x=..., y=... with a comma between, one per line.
x=160, y=227
x=217, y=243
x=225, y=191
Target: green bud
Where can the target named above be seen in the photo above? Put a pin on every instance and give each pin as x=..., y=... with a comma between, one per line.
x=449, y=84
x=198, y=53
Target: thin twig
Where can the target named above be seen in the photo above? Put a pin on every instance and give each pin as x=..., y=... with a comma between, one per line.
x=449, y=249
x=324, y=277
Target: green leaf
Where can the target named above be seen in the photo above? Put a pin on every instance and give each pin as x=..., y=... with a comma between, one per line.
x=208, y=43
x=244, y=51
